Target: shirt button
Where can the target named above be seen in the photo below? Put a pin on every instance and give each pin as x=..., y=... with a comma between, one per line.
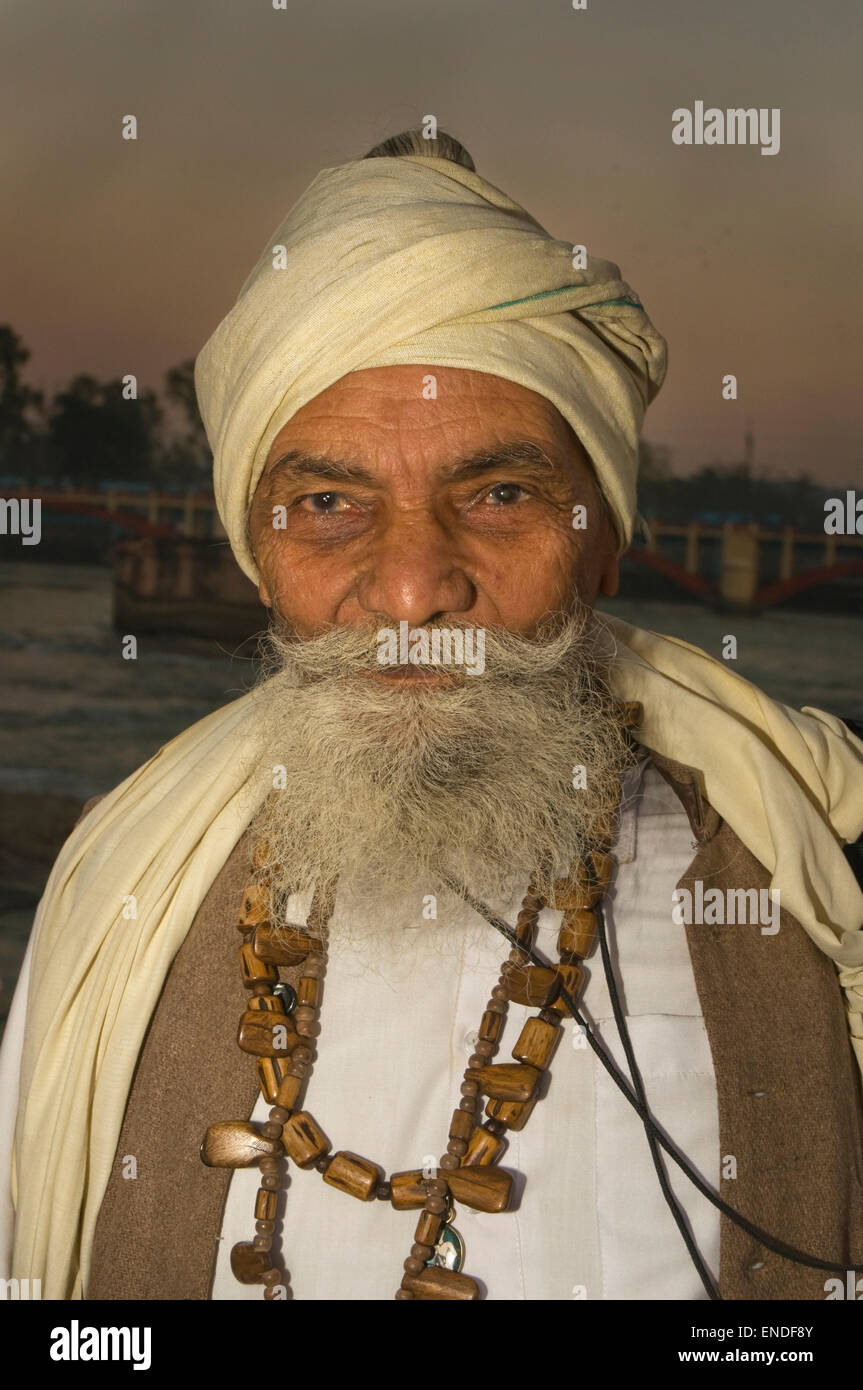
x=470, y=1040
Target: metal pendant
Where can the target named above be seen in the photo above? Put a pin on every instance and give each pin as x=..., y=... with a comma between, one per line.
x=449, y=1251
x=288, y=996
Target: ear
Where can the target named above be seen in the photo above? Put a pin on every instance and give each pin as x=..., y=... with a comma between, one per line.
x=609, y=579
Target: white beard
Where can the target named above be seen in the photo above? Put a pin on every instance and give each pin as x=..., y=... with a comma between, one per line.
x=393, y=787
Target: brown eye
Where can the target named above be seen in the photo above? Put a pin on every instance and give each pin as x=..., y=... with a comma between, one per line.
x=322, y=503
x=504, y=494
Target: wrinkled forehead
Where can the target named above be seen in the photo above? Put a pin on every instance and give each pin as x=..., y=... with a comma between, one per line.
x=439, y=418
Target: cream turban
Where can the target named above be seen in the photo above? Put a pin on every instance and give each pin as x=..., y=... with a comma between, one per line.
x=419, y=260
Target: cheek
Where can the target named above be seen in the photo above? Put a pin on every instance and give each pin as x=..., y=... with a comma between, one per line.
x=305, y=589
x=533, y=576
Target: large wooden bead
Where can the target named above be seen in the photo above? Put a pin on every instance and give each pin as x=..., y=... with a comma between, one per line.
x=262, y=856
x=266, y=1033
x=435, y=1283
x=507, y=1081
x=266, y=1003
x=536, y=1043
x=236, y=1144
x=357, y=1176
x=565, y=896
x=483, y=1148
x=587, y=883
x=533, y=985
x=513, y=1114
x=266, y=1205
x=289, y=1091
x=282, y=944
x=461, y=1124
x=593, y=875
x=428, y=1228
x=254, y=970
x=491, y=1026
x=577, y=932
x=571, y=977
x=483, y=1189
x=271, y=1074
x=255, y=906
x=304, y=1140
x=248, y=1264
x=308, y=991
x=408, y=1190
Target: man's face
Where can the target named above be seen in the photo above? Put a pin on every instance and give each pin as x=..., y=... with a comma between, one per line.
x=393, y=514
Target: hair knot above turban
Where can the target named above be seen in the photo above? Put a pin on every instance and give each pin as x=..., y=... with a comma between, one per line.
x=415, y=260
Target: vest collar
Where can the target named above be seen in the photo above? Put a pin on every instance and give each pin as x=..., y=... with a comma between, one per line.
x=687, y=783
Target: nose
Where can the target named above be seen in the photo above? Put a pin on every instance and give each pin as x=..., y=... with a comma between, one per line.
x=415, y=573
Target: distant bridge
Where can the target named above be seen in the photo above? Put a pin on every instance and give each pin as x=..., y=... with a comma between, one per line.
x=138, y=513
x=745, y=566
x=734, y=566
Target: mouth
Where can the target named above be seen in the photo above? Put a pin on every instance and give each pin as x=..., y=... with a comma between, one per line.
x=413, y=675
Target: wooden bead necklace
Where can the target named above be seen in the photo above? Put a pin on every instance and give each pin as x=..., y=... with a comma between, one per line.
x=279, y=1027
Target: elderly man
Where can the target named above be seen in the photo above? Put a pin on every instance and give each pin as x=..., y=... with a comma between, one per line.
x=539, y=914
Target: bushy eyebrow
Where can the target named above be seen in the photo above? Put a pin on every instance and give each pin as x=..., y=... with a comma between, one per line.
x=297, y=464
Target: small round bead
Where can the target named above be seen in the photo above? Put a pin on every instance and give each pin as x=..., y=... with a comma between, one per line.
x=475, y=1060
x=468, y=1103
x=271, y=1130
x=279, y=1115
x=272, y=1292
x=297, y=1069
x=323, y=1163
x=302, y=1054
x=495, y=1127
x=269, y=1165
x=496, y=1006
x=435, y=1204
x=308, y=1030
x=449, y=1161
x=271, y=1276
x=271, y=1182
x=304, y=1013
x=263, y=1242
x=265, y=1228
x=499, y=993
x=484, y=1048
x=403, y=1293
x=414, y=1266
x=383, y=1191
x=469, y=1088
x=313, y=967
x=439, y=1187
x=421, y=1252
x=457, y=1147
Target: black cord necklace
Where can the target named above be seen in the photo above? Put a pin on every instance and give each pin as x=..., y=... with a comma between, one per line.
x=638, y=1101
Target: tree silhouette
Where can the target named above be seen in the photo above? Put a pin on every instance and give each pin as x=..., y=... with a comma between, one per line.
x=99, y=437
x=186, y=460
x=19, y=406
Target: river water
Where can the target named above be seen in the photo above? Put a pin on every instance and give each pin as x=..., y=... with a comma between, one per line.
x=77, y=718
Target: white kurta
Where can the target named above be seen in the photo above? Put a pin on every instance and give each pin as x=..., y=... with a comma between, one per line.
x=590, y=1220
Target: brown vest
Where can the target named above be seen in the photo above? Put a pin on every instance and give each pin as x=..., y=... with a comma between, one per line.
x=789, y=1093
